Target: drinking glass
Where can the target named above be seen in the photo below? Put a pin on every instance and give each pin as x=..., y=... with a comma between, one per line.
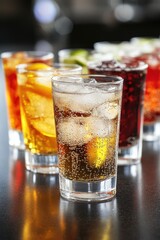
x=131, y=124
x=151, y=128
x=78, y=56
x=145, y=44
x=105, y=47
x=36, y=103
x=9, y=62
x=87, y=113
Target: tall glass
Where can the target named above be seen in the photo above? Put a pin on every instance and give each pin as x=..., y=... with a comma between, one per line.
x=131, y=124
x=87, y=113
x=151, y=129
x=36, y=103
x=9, y=62
x=149, y=52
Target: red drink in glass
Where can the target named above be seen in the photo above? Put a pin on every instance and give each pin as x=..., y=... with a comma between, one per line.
x=134, y=74
x=151, y=129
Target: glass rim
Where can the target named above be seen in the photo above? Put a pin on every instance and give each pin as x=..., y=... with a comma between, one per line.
x=30, y=53
x=68, y=65
x=62, y=67
x=146, y=39
x=141, y=67
x=108, y=79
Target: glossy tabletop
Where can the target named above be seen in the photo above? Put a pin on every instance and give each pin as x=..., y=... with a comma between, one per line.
x=31, y=207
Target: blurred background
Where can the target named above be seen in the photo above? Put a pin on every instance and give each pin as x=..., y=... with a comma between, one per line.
x=57, y=24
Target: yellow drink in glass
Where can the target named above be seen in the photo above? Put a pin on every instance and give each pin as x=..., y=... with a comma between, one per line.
x=36, y=105
x=37, y=117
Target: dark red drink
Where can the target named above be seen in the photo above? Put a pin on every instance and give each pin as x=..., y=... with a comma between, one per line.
x=134, y=74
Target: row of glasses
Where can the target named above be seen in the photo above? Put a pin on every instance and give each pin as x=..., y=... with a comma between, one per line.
x=83, y=128
x=9, y=62
x=140, y=49
x=148, y=51
x=134, y=72
x=37, y=115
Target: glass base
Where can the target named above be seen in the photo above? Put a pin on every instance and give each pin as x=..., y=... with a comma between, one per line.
x=87, y=191
x=16, y=139
x=45, y=164
x=151, y=132
x=130, y=155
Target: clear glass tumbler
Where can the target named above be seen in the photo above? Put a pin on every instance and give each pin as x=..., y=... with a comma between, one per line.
x=9, y=62
x=36, y=105
x=87, y=112
x=131, y=124
x=151, y=128
x=149, y=52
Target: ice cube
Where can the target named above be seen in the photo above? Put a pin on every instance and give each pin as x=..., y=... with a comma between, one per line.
x=81, y=98
x=15, y=59
x=78, y=102
x=21, y=78
x=73, y=131
x=44, y=80
x=100, y=127
x=69, y=88
x=36, y=105
x=85, y=102
x=12, y=63
x=108, y=110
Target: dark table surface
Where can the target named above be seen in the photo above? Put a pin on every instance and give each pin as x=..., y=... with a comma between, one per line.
x=31, y=207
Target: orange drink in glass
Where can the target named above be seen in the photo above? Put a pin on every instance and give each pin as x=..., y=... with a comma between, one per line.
x=36, y=103
x=9, y=62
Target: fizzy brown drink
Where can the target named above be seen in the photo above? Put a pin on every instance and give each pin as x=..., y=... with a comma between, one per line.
x=87, y=121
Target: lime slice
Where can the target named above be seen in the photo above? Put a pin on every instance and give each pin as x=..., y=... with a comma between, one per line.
x=77, y=56
x=79, y=52
x=76, y=60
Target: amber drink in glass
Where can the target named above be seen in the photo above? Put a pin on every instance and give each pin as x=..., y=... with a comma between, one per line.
x=36, y=103
x=87, y=112
x=9, y=62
